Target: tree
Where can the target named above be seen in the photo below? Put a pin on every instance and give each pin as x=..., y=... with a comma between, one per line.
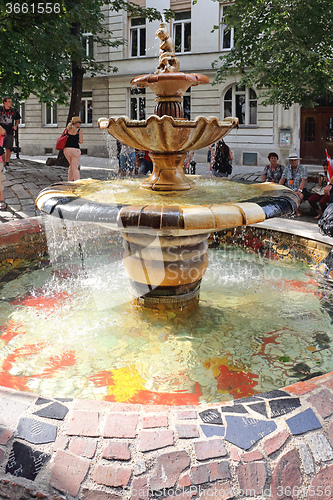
x=282, y=47
x=42, y=50
x=44, y=54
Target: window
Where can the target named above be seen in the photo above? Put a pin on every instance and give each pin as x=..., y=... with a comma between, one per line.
x=187, y=104
x=86, y=108
x=22, y=114
x=182, y=31
x=138, y=104
x=241, y=102
x=227, y=34
x=88, y=44
x=309, y=135
x=138, y=37
x=51, y=114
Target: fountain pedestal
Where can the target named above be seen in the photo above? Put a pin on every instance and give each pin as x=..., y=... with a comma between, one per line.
x=168, y=173
x=165, y=269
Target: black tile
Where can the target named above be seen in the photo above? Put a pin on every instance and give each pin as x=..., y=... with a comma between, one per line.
x=282, y=406
x=234, y=409
x=259, y=408
x=275, y=394
x=36, y=432
x=211, y=417
x=55, y=410
x=25, y=462
x=42, y=401
x=248, y=399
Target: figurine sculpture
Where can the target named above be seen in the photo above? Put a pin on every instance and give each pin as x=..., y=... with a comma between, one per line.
x=168, y=62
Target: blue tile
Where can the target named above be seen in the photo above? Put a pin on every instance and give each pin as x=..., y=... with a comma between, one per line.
x=303, y=422
x=211, y=417
x=245, y=432
x=213, y=430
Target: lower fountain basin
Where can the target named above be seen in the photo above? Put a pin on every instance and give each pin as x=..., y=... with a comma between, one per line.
x=73, y=331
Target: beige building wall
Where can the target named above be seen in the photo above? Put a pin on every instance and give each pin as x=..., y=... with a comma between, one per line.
x=111, y=92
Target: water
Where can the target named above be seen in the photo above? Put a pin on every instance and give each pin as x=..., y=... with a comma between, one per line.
x=207, y=192
x=72, y=331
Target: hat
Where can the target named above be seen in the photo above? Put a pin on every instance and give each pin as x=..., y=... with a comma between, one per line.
x=294, y=156
x=76, y=119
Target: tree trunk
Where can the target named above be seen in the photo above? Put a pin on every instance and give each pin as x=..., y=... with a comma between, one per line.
x=76, y=93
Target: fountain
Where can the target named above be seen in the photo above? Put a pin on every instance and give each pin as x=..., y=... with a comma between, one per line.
x=96, y=449
x=167, y=218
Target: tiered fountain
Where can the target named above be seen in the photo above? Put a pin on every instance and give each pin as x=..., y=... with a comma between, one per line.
x=167, y=218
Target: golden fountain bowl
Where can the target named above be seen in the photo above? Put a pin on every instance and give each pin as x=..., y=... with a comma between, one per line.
x=166, y=134
x=169, y=84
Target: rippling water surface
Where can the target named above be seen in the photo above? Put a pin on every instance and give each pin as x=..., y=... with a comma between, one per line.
x=73, y=332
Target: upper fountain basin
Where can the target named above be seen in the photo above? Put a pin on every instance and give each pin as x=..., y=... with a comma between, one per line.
x=166, y=134
x=169, y=84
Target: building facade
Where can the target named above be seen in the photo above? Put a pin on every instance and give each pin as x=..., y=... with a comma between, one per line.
x=262, y=128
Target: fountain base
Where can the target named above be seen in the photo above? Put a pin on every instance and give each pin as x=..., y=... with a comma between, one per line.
x=166, y=299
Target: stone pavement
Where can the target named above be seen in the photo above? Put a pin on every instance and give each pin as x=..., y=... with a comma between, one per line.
x=272, y=446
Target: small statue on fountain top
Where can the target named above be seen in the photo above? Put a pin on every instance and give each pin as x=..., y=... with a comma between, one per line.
x=168, y=62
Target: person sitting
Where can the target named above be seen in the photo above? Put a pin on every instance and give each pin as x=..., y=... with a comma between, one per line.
x=221, y=157
x=146, y=165
x=295, y=177
x=273, y=171
x=318, y=195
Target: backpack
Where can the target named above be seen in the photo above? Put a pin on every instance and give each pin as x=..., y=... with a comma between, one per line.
x=221, y=162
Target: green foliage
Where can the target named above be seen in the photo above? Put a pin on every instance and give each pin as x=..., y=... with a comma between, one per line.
x=40, y=50
x=282, y=47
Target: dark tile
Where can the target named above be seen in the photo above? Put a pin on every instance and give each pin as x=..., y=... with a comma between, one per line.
x=303, y=422
x=63, y=400
x=275, y=394
x=42, y=401
x=213, y=430
x=282, y=406
x=36, y=432
x=248, y=399
x=234, y=409
x=259, y=408
x=25, y=462
x=55, y=410
x=211, y=417
x=245, y=432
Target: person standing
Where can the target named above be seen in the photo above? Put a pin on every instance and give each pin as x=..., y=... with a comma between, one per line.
x=220, y=159
x=9, y=120
x=273, y=171
x=3, y=204
x=295, y=177
x=72, y=149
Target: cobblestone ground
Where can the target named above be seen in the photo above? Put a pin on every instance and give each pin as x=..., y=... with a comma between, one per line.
x=277, y=445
